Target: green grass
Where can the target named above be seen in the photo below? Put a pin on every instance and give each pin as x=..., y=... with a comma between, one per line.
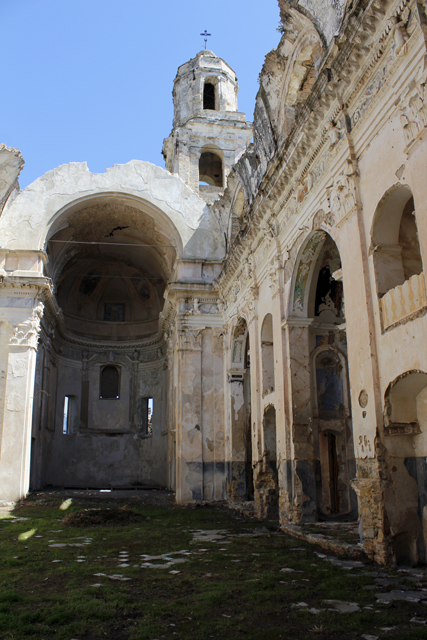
x=212, y=596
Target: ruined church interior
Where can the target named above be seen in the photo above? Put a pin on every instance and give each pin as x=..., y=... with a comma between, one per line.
x=247, y=324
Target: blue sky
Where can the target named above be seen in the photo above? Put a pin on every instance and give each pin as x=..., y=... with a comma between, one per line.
x=92, y=79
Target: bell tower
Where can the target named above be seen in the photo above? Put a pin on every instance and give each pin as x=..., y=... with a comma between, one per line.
x=209, y=134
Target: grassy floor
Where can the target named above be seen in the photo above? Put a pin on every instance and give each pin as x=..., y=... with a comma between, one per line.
x=233, y=587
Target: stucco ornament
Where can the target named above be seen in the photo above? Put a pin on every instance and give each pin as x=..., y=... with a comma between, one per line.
x=413, y=111
x=27, y=333
x=398, y=31
x=342, y=195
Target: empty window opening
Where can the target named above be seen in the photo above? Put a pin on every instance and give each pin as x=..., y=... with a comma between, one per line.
x=65, y=421
x=69, y=415
x=145, y=414
x=150, y=415
x=209, y=96
x=114, y=312
x=110, y=383
x=210, y=169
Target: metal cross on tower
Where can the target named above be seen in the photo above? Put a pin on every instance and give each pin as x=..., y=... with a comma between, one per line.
x=205, y=35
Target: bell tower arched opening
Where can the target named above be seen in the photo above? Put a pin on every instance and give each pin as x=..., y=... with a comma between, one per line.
x=209, y=97
x=210, y=169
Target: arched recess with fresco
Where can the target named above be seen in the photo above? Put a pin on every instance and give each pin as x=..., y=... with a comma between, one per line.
x=324, y=462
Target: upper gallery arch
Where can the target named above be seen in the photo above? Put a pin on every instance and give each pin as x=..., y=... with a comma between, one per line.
x=289, y=73
x=327, y=15
x=43, y=208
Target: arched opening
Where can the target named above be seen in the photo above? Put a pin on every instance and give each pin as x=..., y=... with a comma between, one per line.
x=241, y=483
x=397, y=258
x=405, y=428
x=325, y=462
x=209, y=96
x=395, y=242
x=210, y=169
x=109, y=261
x=267, y=350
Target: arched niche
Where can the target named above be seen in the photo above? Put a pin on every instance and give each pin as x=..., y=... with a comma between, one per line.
x=267, y=353
x=330, y=383
x=270, y=435
x=395, y=245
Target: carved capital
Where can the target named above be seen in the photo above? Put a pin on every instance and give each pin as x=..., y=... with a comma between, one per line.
x=218, y=340
x=190, y=339
x=27, y=333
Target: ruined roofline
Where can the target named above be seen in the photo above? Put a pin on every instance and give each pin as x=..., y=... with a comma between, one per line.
x=303, y=143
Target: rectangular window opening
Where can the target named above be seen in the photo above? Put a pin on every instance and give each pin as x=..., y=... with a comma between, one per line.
x=66, y=416
x=150, y=407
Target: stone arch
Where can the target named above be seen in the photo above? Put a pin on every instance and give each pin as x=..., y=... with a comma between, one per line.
x=151, y=189
x=298, y=79
x=320, y=381
x=405, y=428
x=304, y=272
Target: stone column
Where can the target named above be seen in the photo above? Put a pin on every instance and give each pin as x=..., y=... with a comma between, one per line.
x=189, y=444
x=298, y=499
x=24, y=313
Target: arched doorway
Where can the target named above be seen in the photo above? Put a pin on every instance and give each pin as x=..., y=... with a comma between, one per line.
x=99, y=398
